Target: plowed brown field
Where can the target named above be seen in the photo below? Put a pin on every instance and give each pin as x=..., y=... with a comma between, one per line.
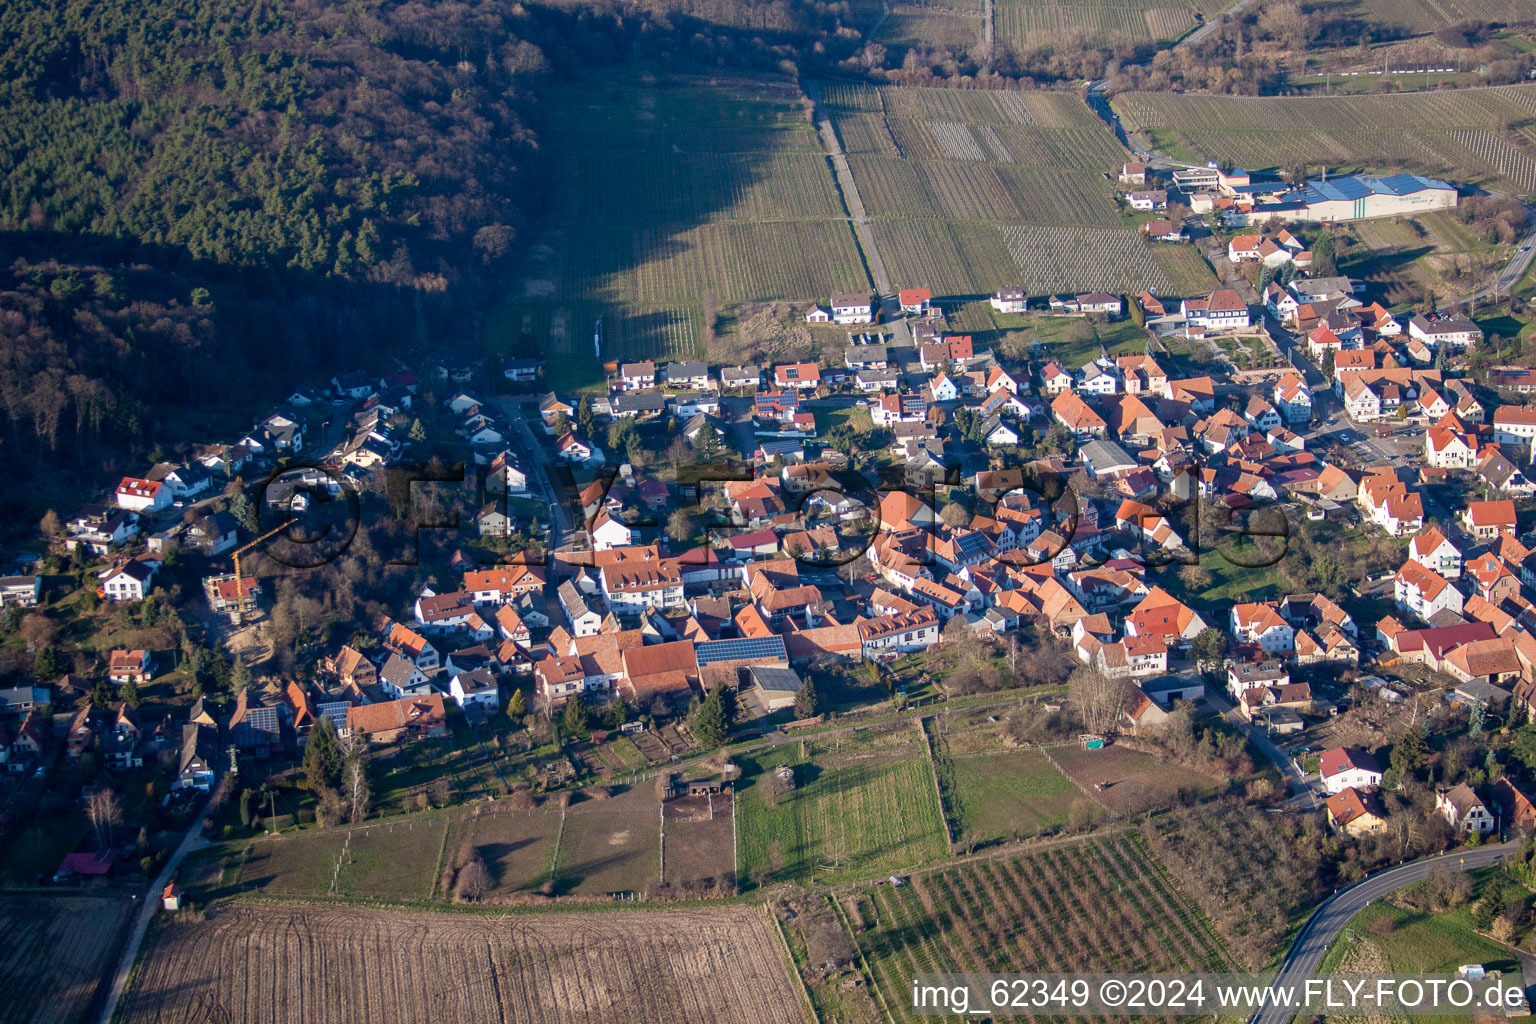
x=54, y=951
x=322, y=965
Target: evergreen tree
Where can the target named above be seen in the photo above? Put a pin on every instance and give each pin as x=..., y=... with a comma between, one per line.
x=240, y=675
x=1410, y=753
x=706, y=443
x=323, y=758
x=45, y=664
x=244, y=512
x=584, y=415
x=728, y=704
x=418, y=433
x=1323, y=262
x=573, y=722
x=805, y=700
x=709, y=722
x=130, y=693
x=102, y=695
x=517, y=707
x=618, y=713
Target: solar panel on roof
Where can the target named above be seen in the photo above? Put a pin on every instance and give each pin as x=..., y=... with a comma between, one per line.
x=973, y=544
x=740, y=649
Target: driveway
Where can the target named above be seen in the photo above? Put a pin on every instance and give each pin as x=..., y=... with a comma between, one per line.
x=190, y=843
x=1329, y=919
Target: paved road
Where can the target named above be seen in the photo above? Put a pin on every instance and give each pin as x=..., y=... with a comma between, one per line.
x=1519, y=263
x=1302, y=794
x=1195, y=37
x=191, y=842
x=1329, y=919
x=560, y=526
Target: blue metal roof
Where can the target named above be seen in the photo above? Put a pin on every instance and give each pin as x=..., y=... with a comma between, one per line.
x=740, y=649
x=1359, y=186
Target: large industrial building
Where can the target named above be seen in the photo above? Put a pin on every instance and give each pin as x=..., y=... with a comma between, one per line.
x=1363, y=196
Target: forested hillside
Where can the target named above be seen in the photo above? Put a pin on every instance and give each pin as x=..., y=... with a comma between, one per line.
x=208, y=202
x=382, y=141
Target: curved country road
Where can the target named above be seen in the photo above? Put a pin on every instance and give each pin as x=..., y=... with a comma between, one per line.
x=1330, y=918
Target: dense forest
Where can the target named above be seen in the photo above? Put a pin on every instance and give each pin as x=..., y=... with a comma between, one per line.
x=207, y=203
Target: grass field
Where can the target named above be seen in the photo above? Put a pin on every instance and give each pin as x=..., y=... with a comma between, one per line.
x=857, y=809
x=1479, y=136
x=382, y=860
x=1131, y=781
x=286, y=963
x=56, y=951
x=611, y=845
x=1099, y=905
x=1404, y=261
x=1000, y=795
x=970, y=191
x=517, y=846
x=669, y=193
x=1416, y=942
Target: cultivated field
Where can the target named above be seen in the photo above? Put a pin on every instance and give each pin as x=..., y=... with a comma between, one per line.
x=55, y=952
x=1481, y=136
x=1421, y=17
x=1099, y=905
x=611, y=845
x=1129, y=781
x=859, y=807
x=970, y=191
x=1027, y=25
x=339, y=966
x=667, y=194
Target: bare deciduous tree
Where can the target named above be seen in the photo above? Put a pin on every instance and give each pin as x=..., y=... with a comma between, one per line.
x=473, y=883
x=1099, y=699
x=105, y=813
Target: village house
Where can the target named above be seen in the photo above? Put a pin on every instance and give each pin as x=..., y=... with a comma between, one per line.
x=399, y=721
x=1343, y=768
x=1356, y=813
x=1221, y=310
x=1464, y=810
x=1424, y=592
x=1009, y=300
x=1454, y=332
x=1485, y=520
x=851, y=308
